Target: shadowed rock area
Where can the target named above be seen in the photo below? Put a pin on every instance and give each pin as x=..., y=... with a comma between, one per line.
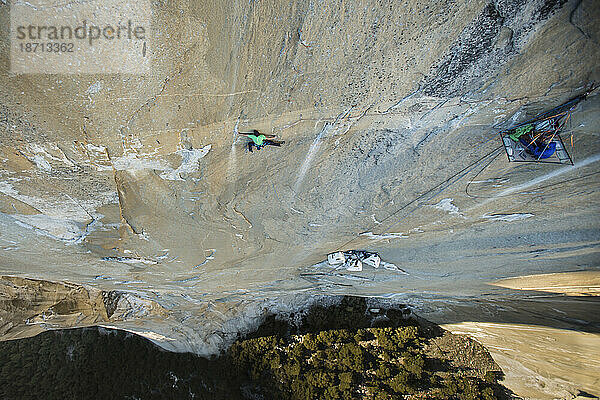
x=131, y=201
x=338, y=348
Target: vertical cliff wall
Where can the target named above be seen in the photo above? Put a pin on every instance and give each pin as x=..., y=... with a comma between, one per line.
x=389, y=112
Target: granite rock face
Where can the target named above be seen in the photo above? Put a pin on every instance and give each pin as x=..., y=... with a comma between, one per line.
x=389, y=110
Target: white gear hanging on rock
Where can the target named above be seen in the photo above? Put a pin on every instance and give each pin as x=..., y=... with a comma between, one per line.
x=373, y=260
x=354, y=265
x=353, y=260
x=336, y=258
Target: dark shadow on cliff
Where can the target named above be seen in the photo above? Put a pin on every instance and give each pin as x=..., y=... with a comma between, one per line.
x=330, y=351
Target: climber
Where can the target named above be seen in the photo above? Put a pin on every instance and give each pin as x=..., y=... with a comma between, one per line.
x=260, y=140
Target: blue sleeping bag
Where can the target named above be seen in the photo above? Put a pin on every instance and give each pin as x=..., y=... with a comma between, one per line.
x=537, y=151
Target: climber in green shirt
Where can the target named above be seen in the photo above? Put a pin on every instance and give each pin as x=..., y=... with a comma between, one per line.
x=260, y=140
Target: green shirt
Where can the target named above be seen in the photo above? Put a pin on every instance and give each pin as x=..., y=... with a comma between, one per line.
x=258, y=140
x=520, y=132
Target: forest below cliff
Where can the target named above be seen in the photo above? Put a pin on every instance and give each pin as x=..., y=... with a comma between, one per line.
x=339, y=351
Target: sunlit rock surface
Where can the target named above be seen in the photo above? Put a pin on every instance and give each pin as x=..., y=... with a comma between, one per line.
x=390, y=114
